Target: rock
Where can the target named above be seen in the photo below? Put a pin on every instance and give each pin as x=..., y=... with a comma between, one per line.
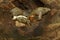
x=1, y=1
x=56, y=17
x=52, y=3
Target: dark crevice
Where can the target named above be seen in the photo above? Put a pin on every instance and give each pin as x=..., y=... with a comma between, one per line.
x=19, y=4
x=23, y=6
x=39, y=3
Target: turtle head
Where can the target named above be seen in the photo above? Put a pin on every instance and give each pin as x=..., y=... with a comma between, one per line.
x=14, y=17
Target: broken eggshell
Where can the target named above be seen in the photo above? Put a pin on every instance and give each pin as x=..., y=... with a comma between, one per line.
x=18, y=24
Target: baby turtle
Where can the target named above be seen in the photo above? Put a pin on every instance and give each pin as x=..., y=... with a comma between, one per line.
x=40, y=11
